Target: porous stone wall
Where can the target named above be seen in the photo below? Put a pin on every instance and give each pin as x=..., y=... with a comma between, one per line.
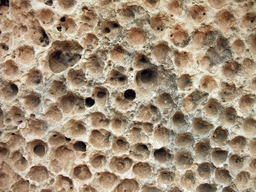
x=127, y=95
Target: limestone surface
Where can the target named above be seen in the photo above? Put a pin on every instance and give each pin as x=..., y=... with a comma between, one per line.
x=127, y=96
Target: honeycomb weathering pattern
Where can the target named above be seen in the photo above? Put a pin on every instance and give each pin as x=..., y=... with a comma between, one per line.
x=127, y=96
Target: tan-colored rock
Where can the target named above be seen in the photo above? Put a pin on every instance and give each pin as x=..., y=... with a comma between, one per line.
x=127, y=96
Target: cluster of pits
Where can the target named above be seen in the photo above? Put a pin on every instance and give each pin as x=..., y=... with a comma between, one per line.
x=107, y=95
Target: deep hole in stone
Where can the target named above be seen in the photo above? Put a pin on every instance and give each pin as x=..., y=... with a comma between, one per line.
x=63, y=19
x=5, y=47
x=129, y=94
x=4, y=3
x=121, y=79
x=59, y=28
x=89, y=102
x=14, y=88
x=106, y=30
x=143, y=147
x=143, y=60
x=85, y=8
x=49, y=3
x=115, y=25
x=67, y=139
x=44, y=40
x=162, y=155
x=146, y=75
x=39, y=150
x=80, y=146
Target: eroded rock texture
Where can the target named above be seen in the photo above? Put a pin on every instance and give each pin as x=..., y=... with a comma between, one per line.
x=118, y=96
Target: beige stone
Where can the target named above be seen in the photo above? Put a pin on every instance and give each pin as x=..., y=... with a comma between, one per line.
x=127, y=96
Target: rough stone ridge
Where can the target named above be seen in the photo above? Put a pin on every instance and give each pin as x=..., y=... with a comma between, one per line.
x=127, y=95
